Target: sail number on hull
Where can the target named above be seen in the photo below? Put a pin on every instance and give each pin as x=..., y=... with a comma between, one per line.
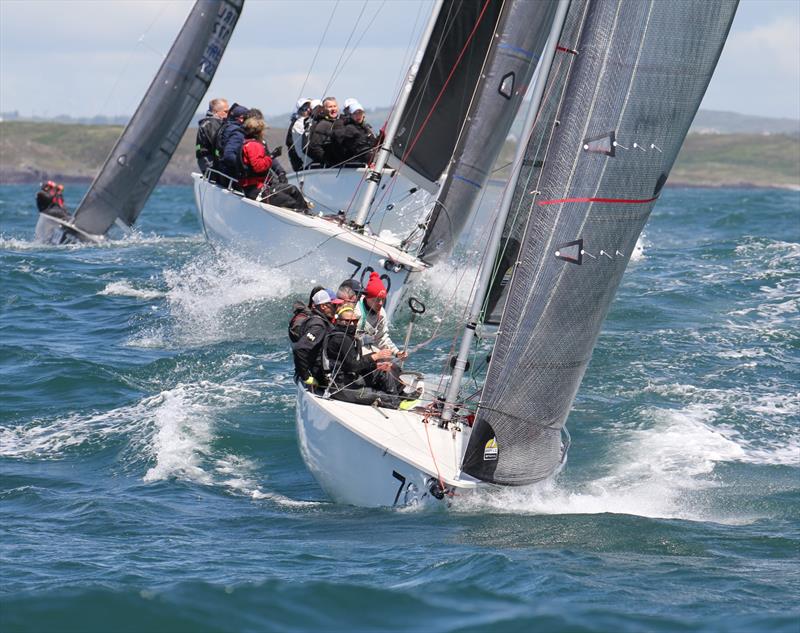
x=366, y=272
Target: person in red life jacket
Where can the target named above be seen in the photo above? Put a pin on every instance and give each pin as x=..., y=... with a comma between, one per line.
x=255, y=159
x=46, y=201
x=58, y=200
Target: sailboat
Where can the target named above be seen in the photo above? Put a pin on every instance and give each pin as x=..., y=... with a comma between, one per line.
x=140, y=155
x=474, y=64
x=623, y=81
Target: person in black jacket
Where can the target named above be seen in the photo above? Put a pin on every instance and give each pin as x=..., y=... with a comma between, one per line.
x=353, y=136
x=307, y=351
x=358, y=377
x=207, y=130
x=322, y=149
x=47, y=201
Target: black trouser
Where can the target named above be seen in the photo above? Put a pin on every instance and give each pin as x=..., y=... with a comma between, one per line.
x=57, y=212
x=288, y=197
x=367, y=395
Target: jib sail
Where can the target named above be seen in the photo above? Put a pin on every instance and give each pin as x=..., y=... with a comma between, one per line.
x=444, y=85
x=513, y=55
x=139, y=157
x=639, y=72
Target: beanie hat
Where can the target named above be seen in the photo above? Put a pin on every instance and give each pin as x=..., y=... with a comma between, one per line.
x=375, y=288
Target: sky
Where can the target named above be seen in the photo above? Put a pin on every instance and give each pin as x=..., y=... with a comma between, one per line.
x=97, y=57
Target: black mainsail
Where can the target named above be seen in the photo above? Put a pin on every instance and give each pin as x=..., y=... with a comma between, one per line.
x=639, y=72
x=139, y=157
x=521, y=33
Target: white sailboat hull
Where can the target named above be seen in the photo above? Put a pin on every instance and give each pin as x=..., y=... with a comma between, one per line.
x=309, y=248
x=367, y=457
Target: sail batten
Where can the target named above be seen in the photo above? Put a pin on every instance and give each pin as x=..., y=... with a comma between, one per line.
x=628, y=101
x=140, y=155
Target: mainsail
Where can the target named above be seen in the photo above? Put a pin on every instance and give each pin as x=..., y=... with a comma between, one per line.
x=514, y=53
x=639, y=72
x=139, y=157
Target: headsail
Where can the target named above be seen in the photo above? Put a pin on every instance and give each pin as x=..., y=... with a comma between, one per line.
x=514, y=53
x=139, y=157
x=444, y=86
x=639, y=74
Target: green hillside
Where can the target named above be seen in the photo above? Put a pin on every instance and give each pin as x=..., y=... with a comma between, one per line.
x=31, y=151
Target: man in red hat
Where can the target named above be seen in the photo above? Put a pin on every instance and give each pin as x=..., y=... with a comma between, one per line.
x=46, y=201
x=372, y=323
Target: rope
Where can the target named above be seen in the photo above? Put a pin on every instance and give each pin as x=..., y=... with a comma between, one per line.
x=337, y=66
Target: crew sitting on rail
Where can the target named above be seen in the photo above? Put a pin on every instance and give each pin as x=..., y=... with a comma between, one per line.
x=207, y=129
x=356, y=375
x=229, y=142
x=308, y=336
x=322, y=149
x=373, y=325
x=353, y=136
x=255, y=159
x=50, y=201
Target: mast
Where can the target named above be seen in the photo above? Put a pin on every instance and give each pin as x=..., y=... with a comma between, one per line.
x=373, y=176
x=487, y=269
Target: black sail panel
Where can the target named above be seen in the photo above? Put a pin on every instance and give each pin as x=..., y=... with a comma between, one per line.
x=445, y=84
x=639, y=76
x=142, y=152
x=521, y=35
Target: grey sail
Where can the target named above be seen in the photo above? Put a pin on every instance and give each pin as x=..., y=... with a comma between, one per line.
x=638, y=77
x=520, y=36
x=540, y=138
x=445, y=83
x=515, y=51
x=141, y=153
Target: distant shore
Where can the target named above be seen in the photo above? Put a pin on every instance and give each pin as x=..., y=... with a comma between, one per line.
x=34, y=151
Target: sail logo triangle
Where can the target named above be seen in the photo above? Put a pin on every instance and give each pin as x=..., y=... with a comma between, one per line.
x=571, y=252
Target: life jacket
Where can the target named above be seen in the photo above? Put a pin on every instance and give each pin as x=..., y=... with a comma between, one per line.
x=300, y=314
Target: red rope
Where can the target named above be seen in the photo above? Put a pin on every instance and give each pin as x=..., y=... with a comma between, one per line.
x=447, y=81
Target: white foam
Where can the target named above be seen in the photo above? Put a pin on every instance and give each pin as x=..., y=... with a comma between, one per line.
x=653, y=472
x=125, y=289
x=638, y=250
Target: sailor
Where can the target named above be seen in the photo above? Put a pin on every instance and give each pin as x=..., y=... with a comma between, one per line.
x=307, y=351
x=356, y=375
x=372, y=324
x=301, y=130
x=207, y=129
x=321, y=148
x=58, y=199
x=353, y=136
x=255, y=160
x=46, y=201
x=301, y=113
x=350, y=291
x=229, y=141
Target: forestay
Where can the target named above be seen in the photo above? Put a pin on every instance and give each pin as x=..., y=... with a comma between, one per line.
x=515, y=51
x=639, y=74
x=139, y=157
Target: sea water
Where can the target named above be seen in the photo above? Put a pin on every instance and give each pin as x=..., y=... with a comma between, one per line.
x=150, y=477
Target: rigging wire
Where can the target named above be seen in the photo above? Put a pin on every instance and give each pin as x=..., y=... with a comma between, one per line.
x=337, y=65
x=319, y=47
x=357, y=44
x=124, y=71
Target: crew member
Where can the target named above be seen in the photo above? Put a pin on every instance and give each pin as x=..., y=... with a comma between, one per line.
x=255, y=159
x=353, y=136
x=207, y=129
x=373, y=325
x=307, y=351
x=321, y=146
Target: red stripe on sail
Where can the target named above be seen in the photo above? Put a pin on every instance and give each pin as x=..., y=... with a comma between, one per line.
x=601, y=200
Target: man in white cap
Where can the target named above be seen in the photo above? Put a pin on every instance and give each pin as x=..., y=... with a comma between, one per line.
x=300, y=131
x=307, y=350
x=353, y=135
x=302, y=110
